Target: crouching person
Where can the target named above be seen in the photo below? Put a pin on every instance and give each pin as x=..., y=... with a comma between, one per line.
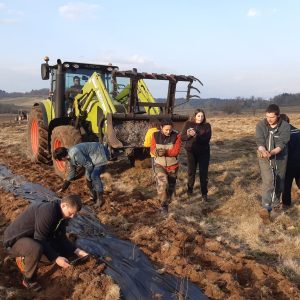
x=40, y=231
x=165, y=147
x=91, y=156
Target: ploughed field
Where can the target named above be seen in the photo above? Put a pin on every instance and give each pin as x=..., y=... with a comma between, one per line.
x=220, y=245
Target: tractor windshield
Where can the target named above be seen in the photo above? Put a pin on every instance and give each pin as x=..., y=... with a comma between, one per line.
x=84, y=75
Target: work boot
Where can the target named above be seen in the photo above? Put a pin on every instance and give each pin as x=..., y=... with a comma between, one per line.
x=164, y=209
x=204, y=198
x=99, y=199
x=265, y=216
x=190, y=191
x=93, y=195
x=31, y=284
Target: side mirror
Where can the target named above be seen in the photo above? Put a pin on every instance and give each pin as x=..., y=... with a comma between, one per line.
x=85, y=78
x=45, y=71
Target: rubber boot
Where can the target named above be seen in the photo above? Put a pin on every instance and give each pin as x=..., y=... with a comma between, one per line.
x=164, y=203
x=93, y=195
x=99, y=201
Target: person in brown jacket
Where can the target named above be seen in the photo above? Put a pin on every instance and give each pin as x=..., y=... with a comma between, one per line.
x=165, y=147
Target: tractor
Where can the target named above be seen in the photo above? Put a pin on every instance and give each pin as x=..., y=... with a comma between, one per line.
x=108, y=106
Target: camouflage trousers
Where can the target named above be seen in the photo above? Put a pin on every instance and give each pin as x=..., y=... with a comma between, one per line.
x=165, y=183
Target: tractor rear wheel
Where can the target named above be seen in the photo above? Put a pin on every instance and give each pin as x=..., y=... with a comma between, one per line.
x=63, y=136
x=38, y=137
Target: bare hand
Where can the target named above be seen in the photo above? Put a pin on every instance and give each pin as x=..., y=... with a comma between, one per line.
x=160, y=152
x=62, y=262
x=266, y=154
x=191, y=132
x=80, y=252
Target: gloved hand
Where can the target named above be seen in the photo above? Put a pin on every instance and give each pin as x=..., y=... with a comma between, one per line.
x=160, y=152
x=64, y=186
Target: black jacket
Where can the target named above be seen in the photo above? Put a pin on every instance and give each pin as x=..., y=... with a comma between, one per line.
x=200, y=142
x=41, y=221
x=294, y=148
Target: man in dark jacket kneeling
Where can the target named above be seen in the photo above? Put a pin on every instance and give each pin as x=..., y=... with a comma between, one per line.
x=41, y=230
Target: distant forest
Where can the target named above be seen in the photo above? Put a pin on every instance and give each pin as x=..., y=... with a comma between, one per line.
x=240, y=104
x=229, y=106
x=32, y=93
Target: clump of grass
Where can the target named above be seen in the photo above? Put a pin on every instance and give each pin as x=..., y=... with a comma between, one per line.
x=291, y=269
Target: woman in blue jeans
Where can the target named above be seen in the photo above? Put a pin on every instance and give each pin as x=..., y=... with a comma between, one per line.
x=196, y=135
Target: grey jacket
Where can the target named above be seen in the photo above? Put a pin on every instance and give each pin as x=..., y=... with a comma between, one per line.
x=87, y=155
x=271, y=138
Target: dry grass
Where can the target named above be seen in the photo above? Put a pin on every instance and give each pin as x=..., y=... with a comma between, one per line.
x=22, y=101
x=234, y=192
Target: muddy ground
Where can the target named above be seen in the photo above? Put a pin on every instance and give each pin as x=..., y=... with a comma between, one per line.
x=189, y=242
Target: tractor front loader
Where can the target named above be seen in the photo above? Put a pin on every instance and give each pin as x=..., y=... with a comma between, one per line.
x=102, y=110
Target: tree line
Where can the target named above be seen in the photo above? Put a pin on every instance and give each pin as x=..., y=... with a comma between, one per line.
x=32, y=93
x=229, y=106
x=240, y=104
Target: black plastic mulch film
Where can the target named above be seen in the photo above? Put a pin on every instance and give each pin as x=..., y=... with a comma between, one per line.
x=128, y=266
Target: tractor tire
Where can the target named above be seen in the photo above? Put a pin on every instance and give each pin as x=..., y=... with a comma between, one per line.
x=38, y=137
x=63, y=136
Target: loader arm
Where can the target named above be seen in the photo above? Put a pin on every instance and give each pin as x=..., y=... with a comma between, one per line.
x=144, y=96
x=94, y=89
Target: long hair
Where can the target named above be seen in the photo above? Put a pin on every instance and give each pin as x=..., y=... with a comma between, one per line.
x=196, y=111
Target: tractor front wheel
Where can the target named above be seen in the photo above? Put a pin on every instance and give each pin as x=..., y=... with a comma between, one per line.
x=63, y=136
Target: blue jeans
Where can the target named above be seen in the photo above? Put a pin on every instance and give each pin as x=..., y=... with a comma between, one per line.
x=96, y=180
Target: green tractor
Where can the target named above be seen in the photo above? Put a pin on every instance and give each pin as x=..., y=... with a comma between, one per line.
x=107, y=105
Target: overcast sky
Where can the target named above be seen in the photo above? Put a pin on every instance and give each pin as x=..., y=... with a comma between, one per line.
x=236, y=48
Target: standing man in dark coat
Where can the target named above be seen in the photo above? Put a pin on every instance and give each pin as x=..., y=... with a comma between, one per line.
x=293, y=164
x=272, y=136
x=40, y=230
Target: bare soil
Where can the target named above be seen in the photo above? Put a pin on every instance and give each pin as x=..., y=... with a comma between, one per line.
x=220, y=245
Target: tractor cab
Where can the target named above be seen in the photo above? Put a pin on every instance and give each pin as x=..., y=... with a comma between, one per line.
x=63, y=77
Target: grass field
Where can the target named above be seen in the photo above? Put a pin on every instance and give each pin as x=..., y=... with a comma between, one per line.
x=21, y=101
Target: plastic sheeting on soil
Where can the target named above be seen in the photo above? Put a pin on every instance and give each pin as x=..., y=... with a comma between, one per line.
x=127, y=265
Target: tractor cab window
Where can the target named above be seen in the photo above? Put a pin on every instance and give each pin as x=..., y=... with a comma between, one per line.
x=75, y=81
x=121, y=89
x=73, y=86
x=106, y=78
